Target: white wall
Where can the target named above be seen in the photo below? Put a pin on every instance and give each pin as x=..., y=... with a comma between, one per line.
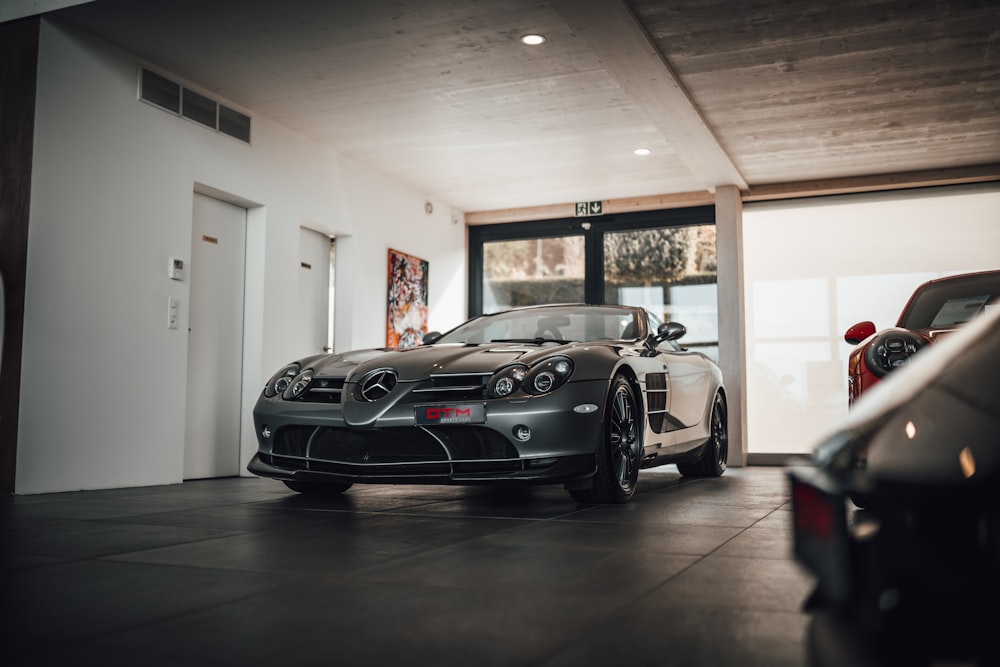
x=103, y=382
x=814, y=267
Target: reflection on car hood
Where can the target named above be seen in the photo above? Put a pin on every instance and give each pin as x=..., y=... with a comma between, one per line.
x=935, y=419
x=416, y=363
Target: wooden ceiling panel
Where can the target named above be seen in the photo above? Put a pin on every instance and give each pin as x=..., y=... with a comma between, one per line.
x=801, y=90
x=441, y=95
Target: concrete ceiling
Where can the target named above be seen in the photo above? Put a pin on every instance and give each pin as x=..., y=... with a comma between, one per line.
x=771, y=96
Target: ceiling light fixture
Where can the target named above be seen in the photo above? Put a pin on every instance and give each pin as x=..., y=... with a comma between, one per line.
x=532, y=39
x=642, y=151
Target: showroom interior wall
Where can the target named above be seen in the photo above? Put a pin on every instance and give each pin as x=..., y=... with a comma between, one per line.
x=814, y=267
x=103, y=379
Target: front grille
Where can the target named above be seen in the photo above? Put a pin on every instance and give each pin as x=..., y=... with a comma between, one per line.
x=399, y=452
x=292, y=440
x=324, y=390
x=457, y=387
x=376, y=446
x=474, y=443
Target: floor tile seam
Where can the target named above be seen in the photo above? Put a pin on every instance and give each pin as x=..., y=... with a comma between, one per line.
x=595, y=627
x=152, y=524
x=697, y=559
x=177, y=543
x=90, y=640
x=446, y=515
x=740, y=532
x=286, y=578
x=131, y=523
x=413, y=506
x=767, y=516
x=363, y=571
x=61, y=562
x=125, y=518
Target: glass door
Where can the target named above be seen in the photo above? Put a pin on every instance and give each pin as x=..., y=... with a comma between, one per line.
x=662, y=260
x=671, y=272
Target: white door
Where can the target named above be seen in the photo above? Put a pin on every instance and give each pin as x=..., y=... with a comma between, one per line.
x=314, y=293
x=215, y=339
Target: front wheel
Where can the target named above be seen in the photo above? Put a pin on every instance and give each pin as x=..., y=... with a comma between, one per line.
x=714, y=456
x=620, y=451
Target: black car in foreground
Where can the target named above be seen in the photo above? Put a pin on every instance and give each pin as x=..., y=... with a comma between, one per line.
x=913, y=576
x=581, y=395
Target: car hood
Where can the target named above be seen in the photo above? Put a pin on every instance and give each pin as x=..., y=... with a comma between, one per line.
x=417, y=363
x=933, y=421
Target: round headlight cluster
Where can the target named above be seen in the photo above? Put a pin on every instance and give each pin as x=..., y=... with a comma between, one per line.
x=892, y=349
x=548, y=375
x=543, y=377
x=506, y=381
x=298, y=385
x=280, y=380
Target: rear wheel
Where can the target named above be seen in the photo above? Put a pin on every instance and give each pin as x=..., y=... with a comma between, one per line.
x=620, y=451
x=712, y=462
x=318, y=488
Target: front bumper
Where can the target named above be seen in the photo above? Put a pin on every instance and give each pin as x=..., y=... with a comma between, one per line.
x=538, y=439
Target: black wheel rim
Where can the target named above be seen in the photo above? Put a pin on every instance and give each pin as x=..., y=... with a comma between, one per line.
x=623, y=440
x=720, y=437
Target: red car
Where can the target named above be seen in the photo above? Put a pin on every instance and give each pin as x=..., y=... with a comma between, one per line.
x=937, y=308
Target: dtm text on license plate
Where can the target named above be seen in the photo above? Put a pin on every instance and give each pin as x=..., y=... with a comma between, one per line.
x=473, y=413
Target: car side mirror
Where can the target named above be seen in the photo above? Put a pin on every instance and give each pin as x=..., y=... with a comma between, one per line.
x=859, y=332
x=670, y=331
x=431, y=337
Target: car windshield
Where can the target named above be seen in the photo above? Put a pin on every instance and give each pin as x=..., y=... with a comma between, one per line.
x=949, y=303
x=560, y=324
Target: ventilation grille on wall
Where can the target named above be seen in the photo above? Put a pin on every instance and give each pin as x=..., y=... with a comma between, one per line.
x=175, y=98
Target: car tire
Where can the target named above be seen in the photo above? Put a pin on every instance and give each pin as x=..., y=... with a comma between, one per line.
x=714, y=456
x=620, y=451
x=318, y=488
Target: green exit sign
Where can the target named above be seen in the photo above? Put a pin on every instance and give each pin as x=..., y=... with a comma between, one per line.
x=587, y=208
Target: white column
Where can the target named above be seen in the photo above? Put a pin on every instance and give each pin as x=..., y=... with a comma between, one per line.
x=732, y=314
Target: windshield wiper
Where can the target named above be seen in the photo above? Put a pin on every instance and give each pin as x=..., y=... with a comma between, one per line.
x=537, y=341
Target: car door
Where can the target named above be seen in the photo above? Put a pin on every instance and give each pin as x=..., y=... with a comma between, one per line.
x=689, y=382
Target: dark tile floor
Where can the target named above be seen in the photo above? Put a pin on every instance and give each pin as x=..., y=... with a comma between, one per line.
x=244, y=572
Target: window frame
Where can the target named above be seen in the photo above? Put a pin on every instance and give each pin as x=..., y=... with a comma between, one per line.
x=591, y=228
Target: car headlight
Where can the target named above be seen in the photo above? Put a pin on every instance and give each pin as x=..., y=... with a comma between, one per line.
x=298, y=385
x=280, y=380
x=548, y=375
x=892, y=349
x=506, y=381
x=545, y=376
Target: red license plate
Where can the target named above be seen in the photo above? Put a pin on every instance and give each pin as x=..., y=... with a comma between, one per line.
x=473, y=413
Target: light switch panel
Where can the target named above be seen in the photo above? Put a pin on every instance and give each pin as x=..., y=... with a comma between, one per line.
x=173, y=312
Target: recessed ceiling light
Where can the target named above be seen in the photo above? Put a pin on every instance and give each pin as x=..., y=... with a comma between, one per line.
x=642, y=151
x=533, y=39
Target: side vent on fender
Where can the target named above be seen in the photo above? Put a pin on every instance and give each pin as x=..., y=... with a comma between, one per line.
x=656, y=400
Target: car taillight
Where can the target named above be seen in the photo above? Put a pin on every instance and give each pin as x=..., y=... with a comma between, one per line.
x=813, y=512
x=821, y=540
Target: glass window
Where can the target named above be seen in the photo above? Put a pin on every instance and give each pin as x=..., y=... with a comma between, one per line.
x=567, y=323
x=662, y=260
x=531, y=272
x=813, y=268
x=671, y=272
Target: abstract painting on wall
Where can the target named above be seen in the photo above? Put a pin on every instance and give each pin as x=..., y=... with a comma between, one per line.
x=406, y=322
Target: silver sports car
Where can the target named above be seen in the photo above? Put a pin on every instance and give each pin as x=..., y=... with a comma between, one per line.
x=579, y=395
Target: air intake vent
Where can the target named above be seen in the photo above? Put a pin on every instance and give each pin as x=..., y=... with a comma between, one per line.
x=175, y=98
